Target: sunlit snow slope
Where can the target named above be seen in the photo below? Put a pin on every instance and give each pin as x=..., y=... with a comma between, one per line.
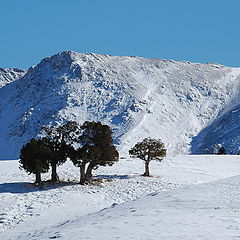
x=138, y=97
x=8, y=75
x=188, y=197
x=208, y=211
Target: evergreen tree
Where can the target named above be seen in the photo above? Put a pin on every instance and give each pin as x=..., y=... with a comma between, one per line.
x=56, y=139
x=80, y=157
x=33, y=158
x=98, y=147
x=147, y=150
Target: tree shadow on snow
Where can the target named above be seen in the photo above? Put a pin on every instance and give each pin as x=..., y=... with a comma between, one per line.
x=114, y=176
x=26, y=187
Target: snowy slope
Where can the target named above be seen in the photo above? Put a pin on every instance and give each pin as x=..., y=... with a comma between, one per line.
x=138, y=97
x=173, y=204
x=8, y=75
x=224, y=129
x=209, y=211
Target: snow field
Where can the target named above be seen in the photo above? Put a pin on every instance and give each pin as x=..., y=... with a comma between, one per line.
x=65, y=209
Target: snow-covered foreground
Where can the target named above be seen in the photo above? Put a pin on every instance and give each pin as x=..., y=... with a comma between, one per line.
x=209, y=211
x=173, y=204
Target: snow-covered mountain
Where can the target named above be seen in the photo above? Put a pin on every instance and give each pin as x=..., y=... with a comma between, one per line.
x=190, y=106
x=8, y=75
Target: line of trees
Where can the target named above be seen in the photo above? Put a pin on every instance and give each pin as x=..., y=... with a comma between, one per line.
x=88, y=146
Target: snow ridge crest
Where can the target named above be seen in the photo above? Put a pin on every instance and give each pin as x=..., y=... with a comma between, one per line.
x=179, y=102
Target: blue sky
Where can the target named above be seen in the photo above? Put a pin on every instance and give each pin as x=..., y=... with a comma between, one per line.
x=199, y=31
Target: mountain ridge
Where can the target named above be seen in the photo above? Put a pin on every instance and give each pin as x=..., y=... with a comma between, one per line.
x=8, y=75
x=137, y=97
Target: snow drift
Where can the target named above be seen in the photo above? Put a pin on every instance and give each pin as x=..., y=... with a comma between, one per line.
x=190, y=106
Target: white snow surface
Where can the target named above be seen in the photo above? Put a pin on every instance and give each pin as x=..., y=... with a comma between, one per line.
x=188, y=197
x=190, y=106
x=8, y=75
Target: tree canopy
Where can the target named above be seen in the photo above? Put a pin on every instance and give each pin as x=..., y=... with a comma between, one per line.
x=147, y=150
x=56, y=139
x=34, y=158
x=97, y=149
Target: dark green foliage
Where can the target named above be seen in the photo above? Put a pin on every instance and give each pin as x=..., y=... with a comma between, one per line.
x=88, y=146
x=56, y=139
x=96, y=149
x=80, y=157
x=34, y=158
x=57, y=155
x=147, y=150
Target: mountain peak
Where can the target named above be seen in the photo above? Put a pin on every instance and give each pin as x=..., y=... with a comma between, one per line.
x=137, y=97
x=63, y=57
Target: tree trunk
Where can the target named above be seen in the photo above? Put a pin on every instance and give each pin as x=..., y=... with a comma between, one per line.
x=89, y=172
x=82, y=174
x=38, y=178
x=54, y=176
x=147, y=174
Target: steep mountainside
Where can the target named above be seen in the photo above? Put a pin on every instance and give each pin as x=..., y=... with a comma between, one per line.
x=138, y=97
x=8, y=75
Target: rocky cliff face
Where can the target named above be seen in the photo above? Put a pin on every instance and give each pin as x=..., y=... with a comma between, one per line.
x=182, y=103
